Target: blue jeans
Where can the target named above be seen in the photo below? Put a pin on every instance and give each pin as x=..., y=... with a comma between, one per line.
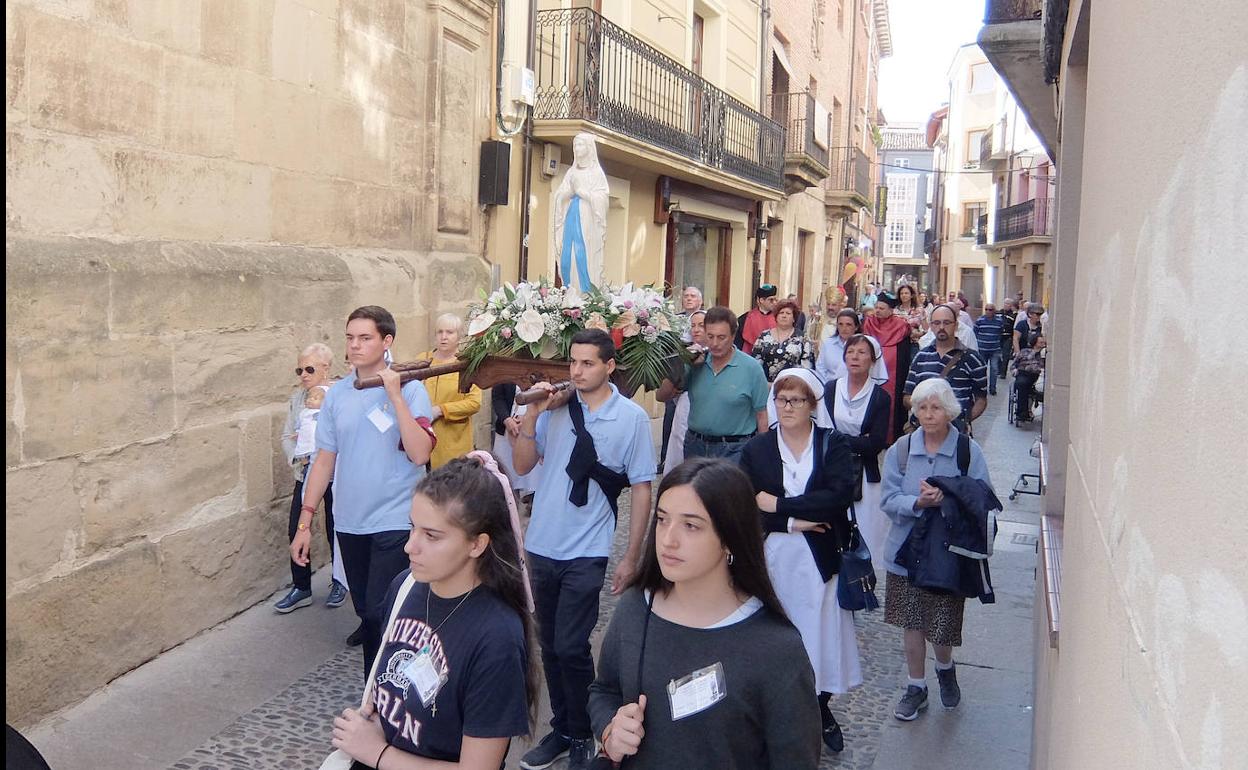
x=993, y=360
x=729, y=450
x=565, y=592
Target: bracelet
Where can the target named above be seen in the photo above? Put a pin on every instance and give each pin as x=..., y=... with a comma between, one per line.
x=377, y=764
x=307, y=508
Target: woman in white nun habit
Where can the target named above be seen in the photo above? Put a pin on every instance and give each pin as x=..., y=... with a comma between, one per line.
x=860, y=408
x=803, y=476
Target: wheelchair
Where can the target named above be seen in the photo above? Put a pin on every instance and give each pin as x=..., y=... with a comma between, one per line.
x=1012, y=410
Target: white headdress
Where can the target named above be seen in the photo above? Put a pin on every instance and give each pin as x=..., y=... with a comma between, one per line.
x=822, y=418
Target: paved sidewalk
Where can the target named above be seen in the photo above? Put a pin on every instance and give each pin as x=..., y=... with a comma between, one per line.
x=259, y=690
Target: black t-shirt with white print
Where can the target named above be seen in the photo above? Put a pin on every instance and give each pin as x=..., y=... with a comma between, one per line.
x=480, y=648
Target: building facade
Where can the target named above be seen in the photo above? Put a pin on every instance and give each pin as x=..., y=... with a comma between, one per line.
x=1142, y=588
x=195, y=192
x=824, y=70
x=906, y=171
x=1017, y=230
x=964, y=188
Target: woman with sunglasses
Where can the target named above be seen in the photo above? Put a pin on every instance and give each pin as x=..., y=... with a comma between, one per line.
x=699, y=666
x=312, y=369
x=803, y=477
x=1027, y=329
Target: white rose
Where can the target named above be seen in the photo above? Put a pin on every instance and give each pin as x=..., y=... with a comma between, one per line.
x=531, y=326
x=480, y=324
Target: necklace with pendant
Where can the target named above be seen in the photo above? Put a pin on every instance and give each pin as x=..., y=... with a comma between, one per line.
x=428, y=596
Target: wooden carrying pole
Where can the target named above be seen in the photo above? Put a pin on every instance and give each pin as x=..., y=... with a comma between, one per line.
x=415, y=370
x=533, y=395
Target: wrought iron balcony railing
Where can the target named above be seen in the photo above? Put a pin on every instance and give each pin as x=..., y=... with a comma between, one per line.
x=1024, y=220
x=981, y=230
x=590, y=69
x=796, y=112
x=1003, y=11
x=850, y=172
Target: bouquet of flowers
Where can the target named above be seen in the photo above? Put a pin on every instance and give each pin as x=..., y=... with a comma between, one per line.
x=538, y=320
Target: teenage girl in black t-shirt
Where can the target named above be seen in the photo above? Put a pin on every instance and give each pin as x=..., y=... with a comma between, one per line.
x=455, y=679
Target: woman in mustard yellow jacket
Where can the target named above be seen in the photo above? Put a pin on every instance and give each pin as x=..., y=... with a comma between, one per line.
x=452, y=410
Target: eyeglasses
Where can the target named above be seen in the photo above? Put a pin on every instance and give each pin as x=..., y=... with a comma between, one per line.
x=1035, y=315
x=791, y=403
x=308, y=369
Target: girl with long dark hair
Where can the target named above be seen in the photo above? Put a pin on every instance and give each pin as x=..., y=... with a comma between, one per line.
x=700, y=666
x=455, y=678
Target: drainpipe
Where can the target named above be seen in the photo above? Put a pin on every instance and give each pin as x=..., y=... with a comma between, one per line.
x=526, y=161
x=760, y=223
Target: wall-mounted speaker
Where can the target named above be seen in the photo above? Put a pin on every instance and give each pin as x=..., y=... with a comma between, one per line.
x=494, y=184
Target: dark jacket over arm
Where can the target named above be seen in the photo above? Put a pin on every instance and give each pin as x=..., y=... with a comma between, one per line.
x=827, y=497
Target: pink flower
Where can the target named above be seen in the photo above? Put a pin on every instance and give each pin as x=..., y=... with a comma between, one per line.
x=643, y=316
x=628, y=303
x=576, y=313
x=542, y=291
x=506, y=332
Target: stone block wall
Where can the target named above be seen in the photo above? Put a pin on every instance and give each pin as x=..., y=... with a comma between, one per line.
x=196, y=189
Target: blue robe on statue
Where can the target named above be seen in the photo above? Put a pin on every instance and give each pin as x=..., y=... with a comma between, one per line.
x=573, y=247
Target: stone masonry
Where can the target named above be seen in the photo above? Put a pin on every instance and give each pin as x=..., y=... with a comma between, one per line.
x=196, y=190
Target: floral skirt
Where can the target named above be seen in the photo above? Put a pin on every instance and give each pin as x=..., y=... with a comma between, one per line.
x=938, y=616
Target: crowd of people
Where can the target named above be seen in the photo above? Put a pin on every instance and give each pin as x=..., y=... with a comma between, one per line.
x=795, y=446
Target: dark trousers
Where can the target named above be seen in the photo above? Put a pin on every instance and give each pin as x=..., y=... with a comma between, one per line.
x=566, y=595
x=1025, y=383
x=993, y=362
x=301, y=577
x=669, y=417
x=371, y=562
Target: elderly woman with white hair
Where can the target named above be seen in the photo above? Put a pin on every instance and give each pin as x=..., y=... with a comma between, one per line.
x=803, y=476
x=936, y=448
x=312, y=369
x=452, y=410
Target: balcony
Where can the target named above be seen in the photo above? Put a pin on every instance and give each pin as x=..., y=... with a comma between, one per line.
x=648, y=109
x=1029, y=221
x=805, y=147
x=993, y=150
x=1013, y=40
x=981, y=230
x=848, y=186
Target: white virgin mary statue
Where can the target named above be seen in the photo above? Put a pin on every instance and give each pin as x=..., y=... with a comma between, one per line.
x=580, y=216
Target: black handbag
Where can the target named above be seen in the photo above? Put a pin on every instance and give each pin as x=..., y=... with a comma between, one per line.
x=855, y=589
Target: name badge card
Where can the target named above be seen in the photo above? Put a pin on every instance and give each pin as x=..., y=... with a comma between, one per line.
x=424, y=676
x=380, y=420
x=697, y=691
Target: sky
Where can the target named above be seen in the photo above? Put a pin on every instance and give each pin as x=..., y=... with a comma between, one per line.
x=926, y=34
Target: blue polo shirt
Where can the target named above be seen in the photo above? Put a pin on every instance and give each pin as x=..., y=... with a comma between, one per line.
x=726, y=404
x=373, y=478
x=621, y=431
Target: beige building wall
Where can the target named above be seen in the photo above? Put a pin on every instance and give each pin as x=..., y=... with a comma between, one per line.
x=971, y=108
x=195, y=191
x=1147, y=419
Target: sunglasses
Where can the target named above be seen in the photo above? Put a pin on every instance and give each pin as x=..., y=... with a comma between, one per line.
x=308, y=369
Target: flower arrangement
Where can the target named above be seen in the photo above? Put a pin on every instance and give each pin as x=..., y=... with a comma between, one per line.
x=538, y=320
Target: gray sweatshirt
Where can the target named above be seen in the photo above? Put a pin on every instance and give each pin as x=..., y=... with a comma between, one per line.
x=768, y=719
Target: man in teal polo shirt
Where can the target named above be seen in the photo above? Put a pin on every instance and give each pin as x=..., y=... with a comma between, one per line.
x=727, y=393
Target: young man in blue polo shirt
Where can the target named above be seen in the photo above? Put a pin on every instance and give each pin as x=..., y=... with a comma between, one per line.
x=591, y=449
x=727, y=393
x=373, y=443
